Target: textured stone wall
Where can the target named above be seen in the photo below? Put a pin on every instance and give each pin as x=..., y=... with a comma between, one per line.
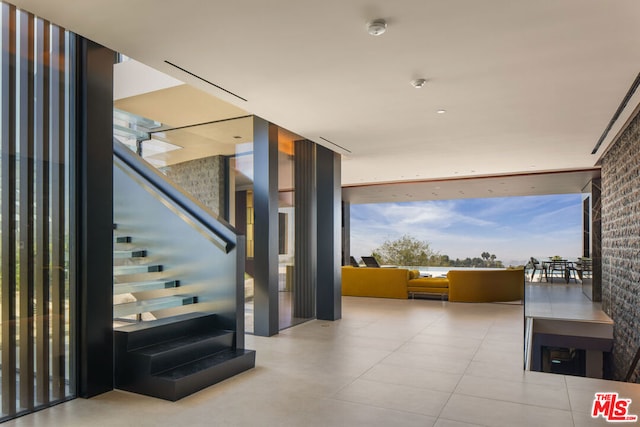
x=621, y=245
x=203, y=179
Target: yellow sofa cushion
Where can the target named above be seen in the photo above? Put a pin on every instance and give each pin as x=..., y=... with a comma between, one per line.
x=375, y=282
x=429, y=282
x=414, y=274
x=486, y=285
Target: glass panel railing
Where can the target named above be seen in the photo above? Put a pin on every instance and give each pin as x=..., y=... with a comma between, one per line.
x=173, y=256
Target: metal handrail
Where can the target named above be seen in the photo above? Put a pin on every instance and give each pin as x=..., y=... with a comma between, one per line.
x=223, y=234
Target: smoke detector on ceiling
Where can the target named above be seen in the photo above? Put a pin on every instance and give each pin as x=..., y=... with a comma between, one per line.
x=377, y=27
x=418, y=83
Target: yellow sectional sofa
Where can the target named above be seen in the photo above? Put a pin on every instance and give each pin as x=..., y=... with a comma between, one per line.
x=486, y=285
x=375, y=282
x=459, y=285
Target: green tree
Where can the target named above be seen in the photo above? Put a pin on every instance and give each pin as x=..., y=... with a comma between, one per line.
x=405, y=251
x=485, y=256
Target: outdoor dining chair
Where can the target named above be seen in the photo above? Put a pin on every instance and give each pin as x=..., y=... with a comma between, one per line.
x=535, y=266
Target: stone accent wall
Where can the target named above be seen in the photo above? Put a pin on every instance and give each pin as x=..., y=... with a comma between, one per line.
x=621, y=245
x=203, y=179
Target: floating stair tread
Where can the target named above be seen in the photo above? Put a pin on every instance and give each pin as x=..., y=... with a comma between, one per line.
x=191, y=368
x=136, y=269
x=136, y=307
x=122, y=239
x=135, y=253
x=131, y=287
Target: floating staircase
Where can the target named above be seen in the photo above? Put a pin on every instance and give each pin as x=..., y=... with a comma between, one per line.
x=174, y=357
x=171, y=357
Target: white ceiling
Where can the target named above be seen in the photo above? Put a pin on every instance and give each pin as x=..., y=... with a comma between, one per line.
x=528, y=86
x=561, y=182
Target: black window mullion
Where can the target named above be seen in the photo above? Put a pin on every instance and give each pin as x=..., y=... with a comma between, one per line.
x=42, y=262
x=58, y=257
x=8, y=111
x=26, y=211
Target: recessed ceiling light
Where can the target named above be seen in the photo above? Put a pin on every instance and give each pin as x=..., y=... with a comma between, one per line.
x=377, y=27
x=237, y=137
x=441, y=111
x=418, y=83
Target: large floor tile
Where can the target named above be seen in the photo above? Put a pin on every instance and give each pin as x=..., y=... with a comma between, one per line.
x=544, y=395
x=419, y=361
x=419, y=378
x=496, y=413
x=393, y=396
x=447, y=340
x=438, y=350
x=513, y=372
x=331, y=412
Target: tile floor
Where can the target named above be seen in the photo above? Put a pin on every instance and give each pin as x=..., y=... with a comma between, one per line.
x=386, y=363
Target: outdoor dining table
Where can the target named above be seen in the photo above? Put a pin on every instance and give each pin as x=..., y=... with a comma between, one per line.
x=558, y=265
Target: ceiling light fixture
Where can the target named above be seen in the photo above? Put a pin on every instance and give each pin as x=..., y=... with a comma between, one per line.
x=441, y=111
x=418, y=83
x=377, y=27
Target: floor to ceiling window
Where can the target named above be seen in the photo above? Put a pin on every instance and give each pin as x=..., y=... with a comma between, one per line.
x=37, y=286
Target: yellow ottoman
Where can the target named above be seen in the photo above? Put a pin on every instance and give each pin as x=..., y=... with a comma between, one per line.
x=429, y=286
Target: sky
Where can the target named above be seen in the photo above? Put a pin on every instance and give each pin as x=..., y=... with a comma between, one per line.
x=512, y=228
